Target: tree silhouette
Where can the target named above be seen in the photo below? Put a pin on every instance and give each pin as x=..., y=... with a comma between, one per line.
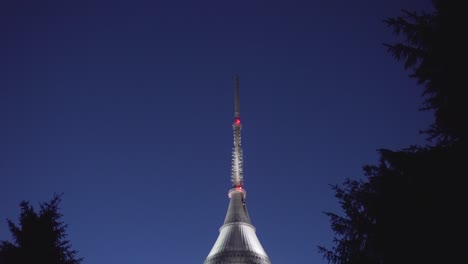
x=433, y=50
x=40, y=237
x=409, y=207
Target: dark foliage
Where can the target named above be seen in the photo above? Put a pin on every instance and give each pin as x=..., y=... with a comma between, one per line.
x=433, y=49
x=410, y=207
x=40, y=237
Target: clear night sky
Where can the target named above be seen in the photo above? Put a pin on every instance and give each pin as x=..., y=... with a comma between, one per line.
x=127, y=106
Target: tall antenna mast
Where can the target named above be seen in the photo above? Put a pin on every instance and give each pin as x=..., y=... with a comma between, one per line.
x=236, y=98
x=237, y=156
x=237, y=241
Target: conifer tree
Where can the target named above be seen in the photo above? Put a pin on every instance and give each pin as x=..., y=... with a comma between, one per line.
x=40, y=237
x=409, y=207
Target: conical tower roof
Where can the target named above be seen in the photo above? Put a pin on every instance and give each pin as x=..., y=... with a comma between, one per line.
x=237, y=242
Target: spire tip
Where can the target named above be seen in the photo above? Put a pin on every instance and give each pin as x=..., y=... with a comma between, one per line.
x=236, y=103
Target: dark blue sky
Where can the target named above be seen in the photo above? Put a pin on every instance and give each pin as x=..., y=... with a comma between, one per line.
x=127, y=106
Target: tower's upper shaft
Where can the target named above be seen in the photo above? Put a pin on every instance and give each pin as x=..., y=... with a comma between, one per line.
x=237, y=157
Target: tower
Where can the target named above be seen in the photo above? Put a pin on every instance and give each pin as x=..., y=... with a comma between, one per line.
x=237, y=242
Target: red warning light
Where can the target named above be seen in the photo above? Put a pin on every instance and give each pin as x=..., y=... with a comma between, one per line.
x=237, y=122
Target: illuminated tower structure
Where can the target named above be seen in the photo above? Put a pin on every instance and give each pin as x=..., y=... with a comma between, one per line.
x=237, y=242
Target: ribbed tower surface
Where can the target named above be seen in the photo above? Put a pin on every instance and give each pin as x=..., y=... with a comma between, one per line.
x=237, y=242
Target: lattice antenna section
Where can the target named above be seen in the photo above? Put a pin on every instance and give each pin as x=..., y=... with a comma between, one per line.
x=237, y=157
